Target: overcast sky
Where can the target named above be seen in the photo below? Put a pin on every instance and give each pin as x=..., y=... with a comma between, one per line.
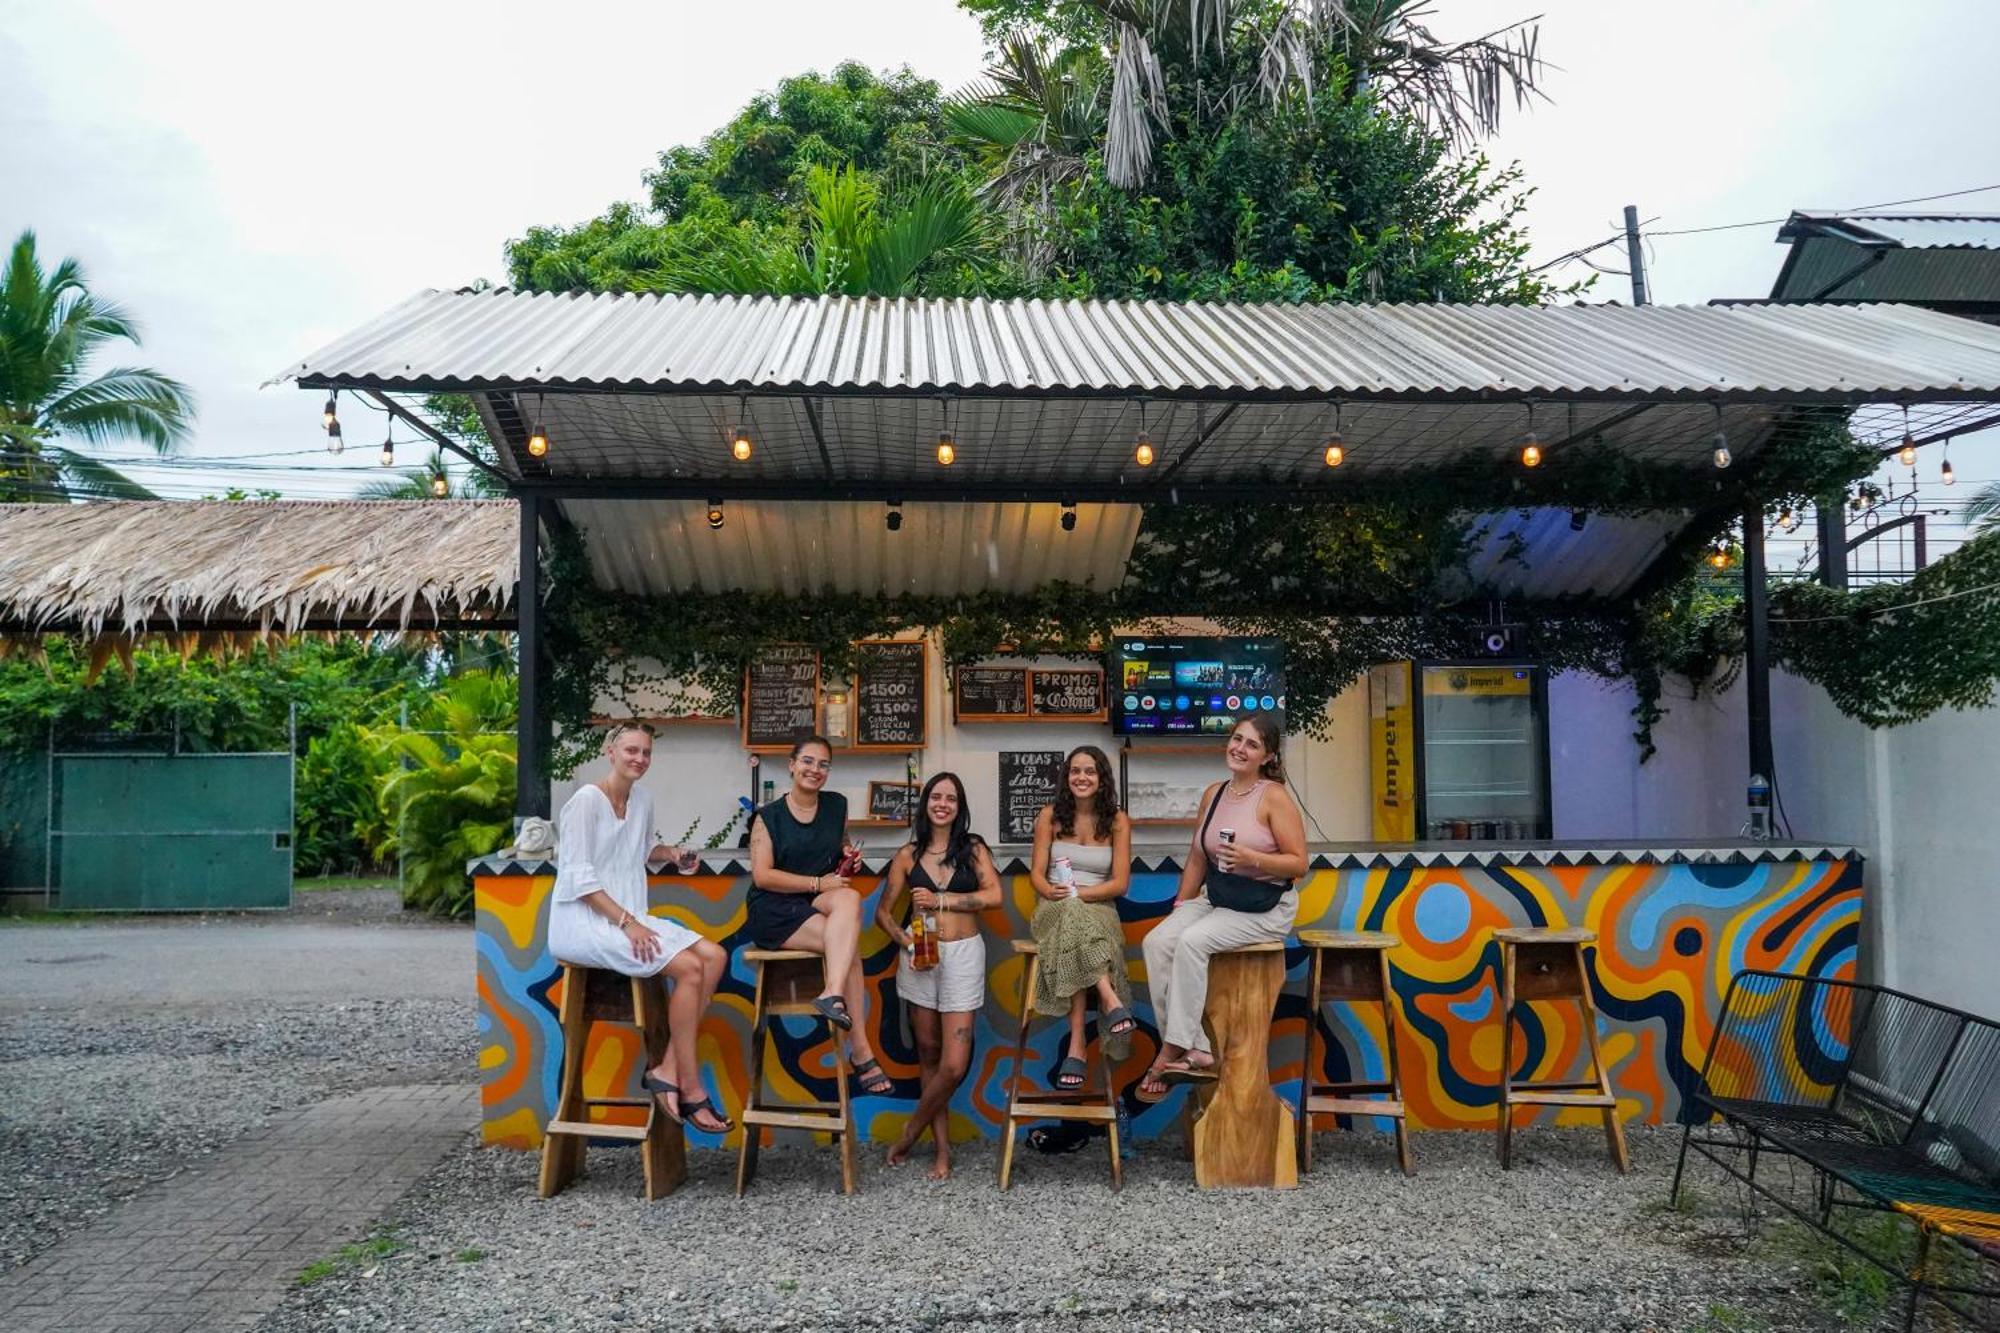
x=253, y=179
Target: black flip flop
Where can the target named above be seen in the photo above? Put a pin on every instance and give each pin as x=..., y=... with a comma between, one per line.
x=884, y=1085
x=1071, y=1068
x=689, y=1110
x=833, y=1008
x=1120, y=1021
x=656, y=1085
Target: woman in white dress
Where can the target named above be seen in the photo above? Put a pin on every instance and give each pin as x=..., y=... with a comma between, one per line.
x=598, y=918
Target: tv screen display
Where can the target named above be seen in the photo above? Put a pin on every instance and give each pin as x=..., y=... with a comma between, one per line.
x=1194, y=686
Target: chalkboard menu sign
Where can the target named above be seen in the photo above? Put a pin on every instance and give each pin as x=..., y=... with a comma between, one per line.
x=891, y=800
x=1028, y=781
x=890, y=704
x=1075, y=694
x=780, y=696
x=990, y=694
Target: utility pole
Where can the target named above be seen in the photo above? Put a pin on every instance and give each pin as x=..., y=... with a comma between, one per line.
x=1634, y=256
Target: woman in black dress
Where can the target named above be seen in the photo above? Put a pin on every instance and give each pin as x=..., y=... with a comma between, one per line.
x=799, y=899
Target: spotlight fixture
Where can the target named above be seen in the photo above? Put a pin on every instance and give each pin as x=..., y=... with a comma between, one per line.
x=947, y=452
x=1907, y=455
x=739, y=439
x=329, y=416
x=894, y=521
x=334, y=442
x=1577, y=518
x=1336, y=445
x=715, y=515
x=1069, y=516
x=388, y=453
x=538, y=442
x=440, y=487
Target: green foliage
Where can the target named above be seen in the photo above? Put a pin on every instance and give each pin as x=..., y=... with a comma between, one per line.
x=446, y=787
x=337, y=822
x=51, y=328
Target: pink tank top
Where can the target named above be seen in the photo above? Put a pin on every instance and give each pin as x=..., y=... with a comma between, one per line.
x=1239, y=813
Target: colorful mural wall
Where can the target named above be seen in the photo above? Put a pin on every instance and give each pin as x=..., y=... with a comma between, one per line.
x=1673, y=927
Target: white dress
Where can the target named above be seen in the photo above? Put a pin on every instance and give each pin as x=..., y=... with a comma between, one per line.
x=596, y=850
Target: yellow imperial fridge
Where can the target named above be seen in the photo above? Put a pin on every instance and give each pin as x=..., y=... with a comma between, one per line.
x=1459, y=750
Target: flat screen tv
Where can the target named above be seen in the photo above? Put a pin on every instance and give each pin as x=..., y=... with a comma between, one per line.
x=1194, y=686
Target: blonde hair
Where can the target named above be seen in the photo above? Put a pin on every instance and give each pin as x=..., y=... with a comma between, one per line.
x=616, y=730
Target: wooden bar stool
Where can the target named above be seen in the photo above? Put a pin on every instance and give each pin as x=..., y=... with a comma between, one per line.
x=595, y=995
x=1352, y=966
x=788, y=981
x=1244, y=1134
x=1547, y=963
x=1062, y=1103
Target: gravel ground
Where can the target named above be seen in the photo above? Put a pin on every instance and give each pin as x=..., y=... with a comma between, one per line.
x=99, y=1099
x=1562, y=1242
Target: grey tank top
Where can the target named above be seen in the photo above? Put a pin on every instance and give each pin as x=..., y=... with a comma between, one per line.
x=1090, y=861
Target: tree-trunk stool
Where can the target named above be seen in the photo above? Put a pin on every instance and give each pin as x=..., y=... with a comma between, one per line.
x=1097, y=1107
x=1351, y=966
x=1244, y=1134
x=597, y=995
x=1547, y=963
x=788, y=981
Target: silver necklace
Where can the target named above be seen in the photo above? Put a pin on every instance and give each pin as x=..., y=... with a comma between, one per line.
x=1239, y=795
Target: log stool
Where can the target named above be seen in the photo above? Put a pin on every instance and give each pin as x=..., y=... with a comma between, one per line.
x=1353, y=966
x=595, y=995
x=1244, y=1134
x=788, y=981
x=1063, y=1103
x=1547, y=963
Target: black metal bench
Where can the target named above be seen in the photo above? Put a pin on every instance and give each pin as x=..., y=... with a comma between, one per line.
x=1894, y=1102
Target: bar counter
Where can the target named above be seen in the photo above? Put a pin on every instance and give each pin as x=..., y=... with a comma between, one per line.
x=1674, y=923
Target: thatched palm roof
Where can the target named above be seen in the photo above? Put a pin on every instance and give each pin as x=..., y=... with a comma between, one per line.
x=135, y=567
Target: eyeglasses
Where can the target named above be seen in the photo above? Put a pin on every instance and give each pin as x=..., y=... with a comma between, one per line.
x=823, y=765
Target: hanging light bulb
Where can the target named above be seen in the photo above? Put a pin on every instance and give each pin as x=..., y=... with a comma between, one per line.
x=388, y=453
x=894, y=521
x=1946, y=475
x=440, y=487
x=1143, y=455
x=329, y=416
x=1719, y=557
x=1069, y=516
x=1786, y=520
x=739, y=439
x=538, y=441
x=334, y=441
x=947, y=452
x=715, y=515
x=1721, y=453
x=1907, y=455
x=1531, y=443
x=1856, y=503
x=1336, y=445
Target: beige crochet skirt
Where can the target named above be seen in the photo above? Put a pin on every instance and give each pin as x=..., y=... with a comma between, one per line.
x=1080, y=942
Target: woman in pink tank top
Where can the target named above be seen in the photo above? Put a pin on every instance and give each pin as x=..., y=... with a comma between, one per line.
x=1236, y=890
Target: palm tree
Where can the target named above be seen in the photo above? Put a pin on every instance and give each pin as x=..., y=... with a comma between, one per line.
x=50, y=328
x=1983, y=513
x=1201, y=60
x=854, y=244
x=432, y=481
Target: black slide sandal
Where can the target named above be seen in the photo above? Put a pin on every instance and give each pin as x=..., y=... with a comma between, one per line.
x=833, y=1008
x=880, y=1085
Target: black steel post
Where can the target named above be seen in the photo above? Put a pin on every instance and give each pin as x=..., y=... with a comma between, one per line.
x=1757, y=639
x=531, y=794
x=1831, y=515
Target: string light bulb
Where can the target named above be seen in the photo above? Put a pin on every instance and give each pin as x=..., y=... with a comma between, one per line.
x=947, y=452
x=739, y=439
x=1531, y=443
x=1721, y=453
x=1143, y=455
x=334, y=441
x=329, y=416
x=440, y=487
x=388, y=453
x=1336, y=444
x=1946, y=475
x=715, y=515
x=1719, y=557
x=538, y=441
x=1907, y=455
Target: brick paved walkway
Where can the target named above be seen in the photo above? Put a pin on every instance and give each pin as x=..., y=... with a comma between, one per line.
x=217, y=1247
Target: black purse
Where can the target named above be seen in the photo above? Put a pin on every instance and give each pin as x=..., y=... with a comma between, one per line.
x=1237, y=893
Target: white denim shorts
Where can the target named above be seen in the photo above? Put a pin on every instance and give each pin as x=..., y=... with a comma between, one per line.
x=957, y=985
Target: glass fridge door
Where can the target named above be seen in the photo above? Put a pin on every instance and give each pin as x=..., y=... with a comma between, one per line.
x=1484, y=752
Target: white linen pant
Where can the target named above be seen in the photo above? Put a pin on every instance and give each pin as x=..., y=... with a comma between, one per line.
x=1178, y=950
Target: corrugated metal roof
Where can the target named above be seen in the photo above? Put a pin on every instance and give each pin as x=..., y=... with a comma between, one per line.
x=1543, y=553
x=942, y=550
x=1929, y=231
x=467, y=340
x=1852, y=268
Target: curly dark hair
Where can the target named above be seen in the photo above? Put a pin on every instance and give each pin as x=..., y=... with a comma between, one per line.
x=961, y=843
x=1103, y=807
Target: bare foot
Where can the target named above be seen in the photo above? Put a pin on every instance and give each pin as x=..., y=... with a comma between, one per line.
x=899, y=1152
x=940, y=1169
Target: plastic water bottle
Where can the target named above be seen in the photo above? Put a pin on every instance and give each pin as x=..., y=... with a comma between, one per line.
x=1759, y=798
x=1124, y=1131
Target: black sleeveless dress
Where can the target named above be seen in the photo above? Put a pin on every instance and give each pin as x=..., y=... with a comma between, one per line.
x=801, y=849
